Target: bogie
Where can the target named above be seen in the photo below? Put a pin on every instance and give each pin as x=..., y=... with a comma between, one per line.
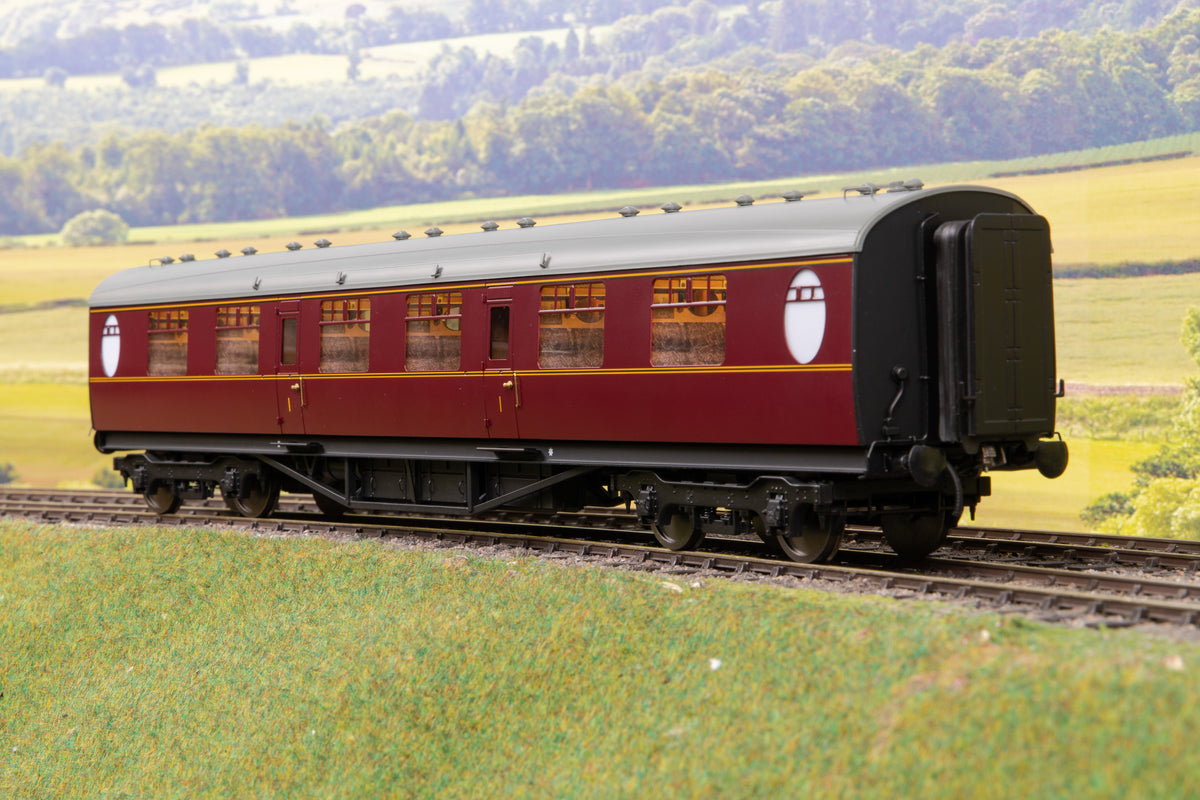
x=811, y=537
x=162, y=499
x=677, y=529
x=915, y=535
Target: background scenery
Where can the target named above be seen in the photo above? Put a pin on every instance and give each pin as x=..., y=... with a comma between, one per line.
x=176, y=662
x=131, y=130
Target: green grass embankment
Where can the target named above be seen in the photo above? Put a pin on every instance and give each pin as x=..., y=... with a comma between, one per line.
x=179, y=663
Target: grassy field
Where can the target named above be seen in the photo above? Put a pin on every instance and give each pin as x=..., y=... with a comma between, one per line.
x=1124, y=330
x=1138, y=212
x=181, y=663
x=1027, y=500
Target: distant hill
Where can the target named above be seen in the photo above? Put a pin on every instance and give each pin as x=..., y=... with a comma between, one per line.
x=22, y=20
x=248, y=113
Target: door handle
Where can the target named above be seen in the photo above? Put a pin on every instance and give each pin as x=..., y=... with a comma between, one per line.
x=513, y=387
x=298, y=386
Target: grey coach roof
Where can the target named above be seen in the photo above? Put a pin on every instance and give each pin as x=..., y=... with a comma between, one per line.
x=744, y=233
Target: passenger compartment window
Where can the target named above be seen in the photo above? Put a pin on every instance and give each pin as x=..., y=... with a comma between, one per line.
x=237, y=340
x=168, y=342
x=571, y=326
x=345, y=334
x=688, y=321
x=433, y=340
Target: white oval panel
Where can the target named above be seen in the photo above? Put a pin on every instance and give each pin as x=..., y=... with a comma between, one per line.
x=110, y=345
x=804, y=316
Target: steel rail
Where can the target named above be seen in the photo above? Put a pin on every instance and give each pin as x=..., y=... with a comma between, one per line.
x=1125, y=599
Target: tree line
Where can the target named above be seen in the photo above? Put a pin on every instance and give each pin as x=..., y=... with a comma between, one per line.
x=103, y=49
x=751, y=114
x=786, y=24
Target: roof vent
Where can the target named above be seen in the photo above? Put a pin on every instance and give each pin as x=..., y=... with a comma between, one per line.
x=865, y=189
x=628, y=211
x=322, y=243
x=257, y=283
x=437, y=271
x=744, y=200
x=400, y=236
x=545, y=262
x=434, y=232
x=527, y=222
x=341, y=278
x=166, y=260
x=672, y=207
x=910, y=185
x=187, y=257
x=249, y=251
x=490, y=225
x=294, y=246
x=792, y=196
x=222, y=253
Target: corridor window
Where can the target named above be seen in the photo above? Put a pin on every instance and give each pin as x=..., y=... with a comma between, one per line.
x=345, y=334
x=688, y=321
x=433, y=332
x=237, y=340
x=168, y=342
x=571, y=326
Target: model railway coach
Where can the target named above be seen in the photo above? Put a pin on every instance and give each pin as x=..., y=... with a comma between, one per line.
x=783, y=368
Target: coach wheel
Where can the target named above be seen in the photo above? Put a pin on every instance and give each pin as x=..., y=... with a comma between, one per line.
x=677, y=530
x=811, y=537
x=329, y=507
x=162, y=500
x=915, y=535
x=259, y=501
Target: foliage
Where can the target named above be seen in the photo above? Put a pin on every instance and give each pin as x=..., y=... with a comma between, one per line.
x=1165, y=500
x=95, y=227
x=642, y=28
x=8, y=473
x=1118, y=417
x=1113, y=504
x=680, y=95
x=108, y=479
x=1128, y=269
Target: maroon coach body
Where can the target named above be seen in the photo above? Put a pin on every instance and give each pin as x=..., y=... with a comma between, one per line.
x=782, y=368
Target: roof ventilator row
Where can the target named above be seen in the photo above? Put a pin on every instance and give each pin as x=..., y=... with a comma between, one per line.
x=791, y=196
x=868, y=189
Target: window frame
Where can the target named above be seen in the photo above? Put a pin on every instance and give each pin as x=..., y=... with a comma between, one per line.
x=166, y=329
x=442, y=309
x=244, y=317
x=690, y=300
x=345, y=314
x=585, y=302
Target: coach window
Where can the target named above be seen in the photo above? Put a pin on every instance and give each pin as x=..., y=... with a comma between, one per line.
x=237, y=340
x=345, y=334
x=168, y=342
x=571, y=326
x=688, y=321
x=433, y=332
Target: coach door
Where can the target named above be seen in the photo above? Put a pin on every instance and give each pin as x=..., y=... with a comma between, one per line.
x=996, y=356
x=501, y=385
x=289, y=382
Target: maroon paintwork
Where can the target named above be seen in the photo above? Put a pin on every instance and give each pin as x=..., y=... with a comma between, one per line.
x=759, y=395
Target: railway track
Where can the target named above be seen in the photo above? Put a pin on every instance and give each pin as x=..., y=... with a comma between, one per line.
x=1069, y=578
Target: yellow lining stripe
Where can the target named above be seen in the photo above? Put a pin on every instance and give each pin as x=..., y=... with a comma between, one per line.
x=755, y=370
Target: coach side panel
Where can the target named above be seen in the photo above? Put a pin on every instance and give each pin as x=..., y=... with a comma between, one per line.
x=737, y=354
